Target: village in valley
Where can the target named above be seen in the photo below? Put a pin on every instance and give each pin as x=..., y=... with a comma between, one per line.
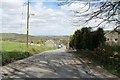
x=112, y=38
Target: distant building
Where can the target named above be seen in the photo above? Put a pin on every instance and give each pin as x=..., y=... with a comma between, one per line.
x=50, y=43
x=112, y=38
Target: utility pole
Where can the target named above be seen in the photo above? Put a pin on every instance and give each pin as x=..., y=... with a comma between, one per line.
x=28, y=16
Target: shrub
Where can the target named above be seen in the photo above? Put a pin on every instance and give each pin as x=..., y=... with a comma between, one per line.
x=109, y=57
x=87, y=39
x=11, y=56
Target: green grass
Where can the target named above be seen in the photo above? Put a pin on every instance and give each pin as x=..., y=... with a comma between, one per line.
x=12, y=51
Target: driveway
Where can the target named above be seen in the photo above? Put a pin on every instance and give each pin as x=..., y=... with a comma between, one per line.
x=52, y=64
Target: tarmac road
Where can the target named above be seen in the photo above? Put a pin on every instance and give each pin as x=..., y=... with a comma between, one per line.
x=51, y=64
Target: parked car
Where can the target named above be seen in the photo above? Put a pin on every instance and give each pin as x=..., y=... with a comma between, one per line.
x=59, y=46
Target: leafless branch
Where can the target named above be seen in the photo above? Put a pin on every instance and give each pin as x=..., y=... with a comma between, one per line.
x=108, y=10
x=83, y=7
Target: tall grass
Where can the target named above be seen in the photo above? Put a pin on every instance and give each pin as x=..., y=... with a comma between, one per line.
x=12, y=51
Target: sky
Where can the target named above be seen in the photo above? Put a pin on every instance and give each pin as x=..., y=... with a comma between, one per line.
x=46, y=17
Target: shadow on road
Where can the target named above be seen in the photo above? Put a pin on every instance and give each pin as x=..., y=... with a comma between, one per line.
x=51, y=64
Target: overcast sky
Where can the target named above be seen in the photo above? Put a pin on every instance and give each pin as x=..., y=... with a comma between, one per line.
x=46, y=18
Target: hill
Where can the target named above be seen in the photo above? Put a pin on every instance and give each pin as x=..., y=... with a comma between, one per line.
x=15, y=36
x=22, y=37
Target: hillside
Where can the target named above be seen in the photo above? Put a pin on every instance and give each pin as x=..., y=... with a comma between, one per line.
x=15, y=36
x=22, y=37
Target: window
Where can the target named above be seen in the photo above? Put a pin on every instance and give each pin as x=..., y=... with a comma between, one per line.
x=107, y=39
x=116, y=39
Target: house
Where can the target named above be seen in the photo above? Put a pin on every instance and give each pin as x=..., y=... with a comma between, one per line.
x=112, y=38
x=50, y=43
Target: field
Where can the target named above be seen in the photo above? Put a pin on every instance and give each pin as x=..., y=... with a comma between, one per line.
x=12, y=51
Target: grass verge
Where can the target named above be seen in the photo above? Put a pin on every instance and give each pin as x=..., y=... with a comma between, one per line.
x=12, y=51
x=101, y=58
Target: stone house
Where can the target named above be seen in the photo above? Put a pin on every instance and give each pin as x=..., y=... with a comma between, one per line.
x=112, y=38
x=50, y=43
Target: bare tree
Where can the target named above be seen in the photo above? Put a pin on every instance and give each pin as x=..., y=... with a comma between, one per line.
x=108, y=12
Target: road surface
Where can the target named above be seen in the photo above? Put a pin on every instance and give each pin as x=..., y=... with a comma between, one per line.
x=52, y=64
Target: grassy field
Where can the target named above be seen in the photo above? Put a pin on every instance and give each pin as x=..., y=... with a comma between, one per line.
x=12, y=51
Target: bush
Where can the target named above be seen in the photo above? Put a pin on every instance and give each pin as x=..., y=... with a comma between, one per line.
x=109, y=57
x=8, y=57
x=87, y=39
x=106, y=56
